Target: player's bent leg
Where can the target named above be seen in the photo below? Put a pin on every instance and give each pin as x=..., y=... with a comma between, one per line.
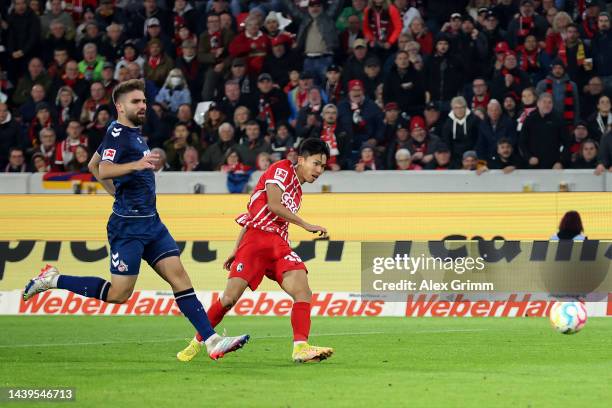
x=171, y=269
x=50, y=278
x=120, y=288
x=295, y=283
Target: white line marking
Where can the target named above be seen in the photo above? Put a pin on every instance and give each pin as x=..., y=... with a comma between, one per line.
x=288, y=336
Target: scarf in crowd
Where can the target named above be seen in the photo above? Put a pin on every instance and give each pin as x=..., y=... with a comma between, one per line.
x=526, y=25
x=529, y=60
x=334, y=91
x=369, y=164
x=33, y=130
x=517, y=79
x=266, y=115
x=328, y=135
x=589, y=26
x=521, y=119
x=562, y=53
x=154, y=62
x=568, y=100
x=603, y=127
x=459, y=122
x=480, y=104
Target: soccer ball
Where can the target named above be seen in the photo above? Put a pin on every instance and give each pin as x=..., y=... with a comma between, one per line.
x=568, y=317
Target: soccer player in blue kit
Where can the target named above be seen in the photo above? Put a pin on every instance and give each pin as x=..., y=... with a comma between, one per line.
x=124, y=165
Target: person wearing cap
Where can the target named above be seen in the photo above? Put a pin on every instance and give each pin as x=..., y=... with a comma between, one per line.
x=469, y=160
x=460, y=131
x=213, y=46
x=331, y=133
x=493, y=30
x=317, y=37
x=525, y=23
x=153, y=30
x=404, y=85
x=108, y=80
x=421, y=143
x=373, y=76
x=494, y=127
x=281, y=61
x=588, y=25
x=601, y=46
x=390, y=122
x=251, y=44
x=579, y=135
x=543, y=138
x=509, y=79
x=433, y=118
x=382, y=25
x=564, y=92
x=349, y=35
x=367, y=159
x=453, y=26
x=443, y=84
x=473, y=47
x=268, y=104
x=150, y=9
x=333, y=84
x=362, y=118
x=403, y=161
x=273, y=31
x=441, y=158
x=354, y=67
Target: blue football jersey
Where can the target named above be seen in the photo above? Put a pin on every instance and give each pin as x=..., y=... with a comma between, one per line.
x=134, y=192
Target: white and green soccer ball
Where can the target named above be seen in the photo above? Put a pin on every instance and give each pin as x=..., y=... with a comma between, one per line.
x=568, y=317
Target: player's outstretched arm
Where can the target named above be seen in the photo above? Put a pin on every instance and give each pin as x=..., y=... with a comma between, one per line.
x=93, y=168
x=275, y=205
x=110, y=170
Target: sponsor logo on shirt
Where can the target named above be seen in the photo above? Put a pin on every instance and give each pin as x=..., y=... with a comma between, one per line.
x=109, y=154
x=281, y=175
x=289, y=202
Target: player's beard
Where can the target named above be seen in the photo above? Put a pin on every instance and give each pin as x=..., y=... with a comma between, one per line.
x=136, y=119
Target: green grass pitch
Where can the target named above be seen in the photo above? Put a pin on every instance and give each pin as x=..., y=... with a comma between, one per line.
x=385, y=362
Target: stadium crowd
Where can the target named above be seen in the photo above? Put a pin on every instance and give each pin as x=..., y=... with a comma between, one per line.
x=233, y=86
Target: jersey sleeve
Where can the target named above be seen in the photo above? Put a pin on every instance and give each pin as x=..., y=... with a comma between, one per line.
x=280, y=175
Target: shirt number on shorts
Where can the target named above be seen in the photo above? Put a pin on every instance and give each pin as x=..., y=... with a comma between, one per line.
x=293, y=257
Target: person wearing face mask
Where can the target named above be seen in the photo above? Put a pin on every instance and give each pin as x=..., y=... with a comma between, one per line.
x=190, y=67
x=175, y=91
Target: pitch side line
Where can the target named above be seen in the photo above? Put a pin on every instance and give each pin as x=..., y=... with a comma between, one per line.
x=100, y=343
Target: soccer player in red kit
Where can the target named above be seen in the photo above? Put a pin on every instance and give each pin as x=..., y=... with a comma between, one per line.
x=262, y=248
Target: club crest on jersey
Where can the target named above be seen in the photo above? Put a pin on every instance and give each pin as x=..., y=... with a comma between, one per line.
x=281, y=175
x=122, y=267
x=288, y=201
x=239, y=267
x=116, y=132
x=109, y=154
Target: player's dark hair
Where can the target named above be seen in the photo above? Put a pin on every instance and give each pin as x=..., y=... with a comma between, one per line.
x=312, y=146
x=127, y=87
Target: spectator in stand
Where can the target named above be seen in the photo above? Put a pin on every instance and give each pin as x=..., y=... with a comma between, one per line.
x=191, y=160
x=543, y=137
x=418, y=30
x=382, y=25
x=335, y=137
x=367, y=159
x=600, y=122
x=158, y=63
x=564, y=93
x=16, y=162
x=254, y=144
x=404, y=86
x=73, y=79
x=400, y=140
x=130, y=54
x=97, y=129
x=185, y=115
x=42, y=119
x=112, y=44
x=355, y=9
x=333, y=84
x=445, y=73
x=66, y=149
x=23, y=37
x=470, y=161
x=80, y=160
x=588, y=25
x=481, y=96
x=460, y=131
x=91, y=35
x=57, y=66
x=38, y=163
x=175, y=92
x=263, y=161
x=10, y=134
x=532, y=60
x=97, y=97
x=576, y=56
x=298, y=97
x=242, y=115
x=56, y=39
x=107, y=81
x=191, y=68
x=360, y=116
x=47, y=146
x=433, y=119
x=253, y=45
x=238, y=73
x=231, y=98
x=442, y=159
x=92, y=64
x=505, y=159
x=570, y=227
x=35, y=75
x=176, y=145
x=154, y=31
x=283, y=140
x=373, y=77
x=604, y=157
x=579, y=135
x=589, y=97
x=403, y=161
x=527, y=22
x=493, y=31
x=390, y=122
x=213, y=54
x=421, y=143
x=587, y=156
x=238, y=173
x=602, y=51
x=281, y=61
x=317, y=37
x=354, y=67
x=509, y=79
x=473, y=48
x=495, y=127
x=349, y=36
x=268, y=104
x=28, y=109
x=310, y=116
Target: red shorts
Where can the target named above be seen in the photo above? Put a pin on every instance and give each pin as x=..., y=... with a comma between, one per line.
x=264, y=253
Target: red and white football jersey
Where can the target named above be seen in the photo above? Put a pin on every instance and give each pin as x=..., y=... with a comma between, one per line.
x=281, y=173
